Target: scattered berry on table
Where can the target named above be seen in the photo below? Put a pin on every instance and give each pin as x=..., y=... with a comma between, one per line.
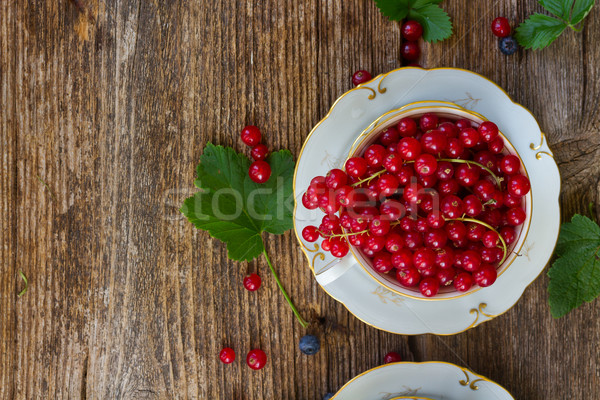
x=227, y=355
x=410, y=51
x=260, y=171
x=501, y=27
x=251, y=135
x=412, y=30
x=392, y=357
x=260, y=152
x=361, y=76
x=252, y=282
x=309, y=344
x=508, y=45
x=256, y=359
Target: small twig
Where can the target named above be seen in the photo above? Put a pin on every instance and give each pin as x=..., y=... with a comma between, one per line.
x=22, y=292
x=47, y=187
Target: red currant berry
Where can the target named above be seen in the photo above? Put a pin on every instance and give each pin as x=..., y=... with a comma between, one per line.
x=407, y=127
x=427, y=181
x=328, y=203
x=435, y=239
x=410, y=51
x=508, y=234
x=256, y=359
x=251, y=135
x=252, y=282
x=411, y=193
x=510, y=164
x=444, y=257
x=259, y=171
x=260, y=152
x=409, y=148
x=501, y=27
x=227, y=355
x=516, y=216
x=484, y=189
x=339, y=249
x=452, y=207
x=412, y=240
x=425, y=165
x=449, y=129
x=475, y=232
x=428, y=122
x=491, y=255
x=375, y=243
x=402, y=259
x=307, y=203
x=387, y=184
x=345, y=220
x=422, y=225
x=345, y=196
x=412, y=30
x=358, y=240
x=405, y=174
x=454, y=148
x=463, y=282
x=491, y=239
x=434, y=142
x=448, y=187
x=492, y=217
x=408, y=276
x=486, y=275
x=467, y=175
x=488, y=131
x=473, y=206
x=389, y=136
x=379, y=226
x=518, y=185
x=392, y=357
x=445, y=171
x=496, y=146
x=336, y=178
x=375, y=154
x=469, y=137
x=393, y=163
x=511, y=201
x=463, y=124
x=392, y=210
x=456, y=230
x=361, y=76
x=310, y=233
x=429, y=287
x=326, y=245
x=331, y=223
x=470, y=260
x=407, y=224
x=382, y=262
x=423, y=258
x=393, y=242
x=446, y=276
x=356, y=167
x=435, y=219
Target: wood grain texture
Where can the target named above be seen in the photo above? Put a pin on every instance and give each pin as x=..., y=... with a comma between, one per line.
x=104, y=115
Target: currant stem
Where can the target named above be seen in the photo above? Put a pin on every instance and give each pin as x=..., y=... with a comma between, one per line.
x=504, y=246
x=375, y=175
x=468, y=162
x=296, y=313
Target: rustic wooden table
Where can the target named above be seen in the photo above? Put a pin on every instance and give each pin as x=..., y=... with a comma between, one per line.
x=104, y=114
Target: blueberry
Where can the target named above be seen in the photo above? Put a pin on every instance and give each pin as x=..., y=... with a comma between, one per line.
x=328, y=396
x=508, y=45
x=309, y=345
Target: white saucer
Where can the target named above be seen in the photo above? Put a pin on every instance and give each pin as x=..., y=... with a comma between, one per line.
x=431, y=380
x=327, y=147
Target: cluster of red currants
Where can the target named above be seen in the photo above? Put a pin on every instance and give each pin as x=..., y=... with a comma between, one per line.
x=410, y=49
x=260, y=170
x=435, y=200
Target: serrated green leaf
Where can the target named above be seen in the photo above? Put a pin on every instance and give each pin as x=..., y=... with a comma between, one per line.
x=396, y=10
x=423, y=3
x=436, y=22
x=236, y=210
x=581, y=9
x=539, y=31
x=560, y=8
x=575, y=275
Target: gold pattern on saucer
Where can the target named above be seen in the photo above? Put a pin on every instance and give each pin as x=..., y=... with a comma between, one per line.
x=386, y=296
x=468, y=382
x=379, y=88
x=479, y=312
x=316, y=252
x=538, y=155
x=400, y=395
x=527, y=247
x=468, y=101
x=373, y=93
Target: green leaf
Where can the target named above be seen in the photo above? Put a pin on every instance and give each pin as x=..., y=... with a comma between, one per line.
x=396, y=10
x=560, y=8
x=236, y=210
x=436, y=22
x=581, y=9
x=539, y=31
x=423, y=3
x=575, y=275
